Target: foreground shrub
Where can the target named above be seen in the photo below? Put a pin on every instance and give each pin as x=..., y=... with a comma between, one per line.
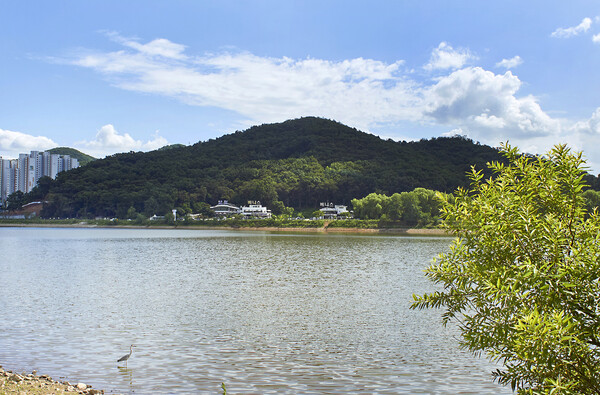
x=522, y=277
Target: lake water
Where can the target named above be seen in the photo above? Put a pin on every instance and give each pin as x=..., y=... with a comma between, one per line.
x=261, y=312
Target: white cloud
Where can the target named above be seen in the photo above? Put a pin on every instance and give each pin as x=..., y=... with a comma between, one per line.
x=485, y=103
x=357, y=91
x=158, y=47
x=578, y=135
x=596, y=38
x=14, y=143
x=589, y=127
x=584, y=136
x=510, y=63
x=583, y=27
x=445, y=57
x=454, y=132
x=363, y=93
x=108, y=141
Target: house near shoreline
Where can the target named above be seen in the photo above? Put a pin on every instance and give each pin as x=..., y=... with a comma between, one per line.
x=331, y=211
x=224, y=209
x=29, y=210
x=254, y=210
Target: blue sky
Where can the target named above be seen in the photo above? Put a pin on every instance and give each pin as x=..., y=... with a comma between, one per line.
x=113, y=76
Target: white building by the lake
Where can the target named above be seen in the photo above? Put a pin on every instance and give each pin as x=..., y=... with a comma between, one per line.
x=224, y=209
x=331, y=211
x=255, y=210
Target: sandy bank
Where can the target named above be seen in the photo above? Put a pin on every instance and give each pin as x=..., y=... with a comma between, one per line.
x=399, y=231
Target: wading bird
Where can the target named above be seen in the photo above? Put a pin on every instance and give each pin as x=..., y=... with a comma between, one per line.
x=126, y=356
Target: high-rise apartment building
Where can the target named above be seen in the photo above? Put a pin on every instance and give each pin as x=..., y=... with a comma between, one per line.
x=23, y=165
x=50, y=164
x=9, y=178
x=22, y=174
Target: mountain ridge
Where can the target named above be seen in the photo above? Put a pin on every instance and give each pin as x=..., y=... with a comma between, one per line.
x=295, y=163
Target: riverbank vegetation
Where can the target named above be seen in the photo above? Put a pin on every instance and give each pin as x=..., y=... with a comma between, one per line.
x=415, y=209
x=522, y=280
x=420, y=207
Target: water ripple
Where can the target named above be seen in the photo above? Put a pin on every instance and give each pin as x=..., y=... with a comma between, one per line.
x=263, y=313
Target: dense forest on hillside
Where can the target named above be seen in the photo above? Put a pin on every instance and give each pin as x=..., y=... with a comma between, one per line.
x=297, y=163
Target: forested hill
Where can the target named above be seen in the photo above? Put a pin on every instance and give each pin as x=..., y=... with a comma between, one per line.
x=299, y=162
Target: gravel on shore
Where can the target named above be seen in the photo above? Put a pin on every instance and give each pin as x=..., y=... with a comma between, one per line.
x=15, y=383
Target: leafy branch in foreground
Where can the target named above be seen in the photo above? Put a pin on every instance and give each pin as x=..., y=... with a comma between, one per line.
x=522, y=278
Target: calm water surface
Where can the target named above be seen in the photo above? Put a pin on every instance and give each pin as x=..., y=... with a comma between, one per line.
x=263, y=313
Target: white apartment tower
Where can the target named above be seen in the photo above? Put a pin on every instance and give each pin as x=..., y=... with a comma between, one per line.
x=53, y=165
x=9, y=178
x=23, y=165
x=33, y=172
x=22, y=174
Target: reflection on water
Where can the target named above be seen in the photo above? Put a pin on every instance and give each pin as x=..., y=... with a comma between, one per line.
x=125, y=376
x=263, y=313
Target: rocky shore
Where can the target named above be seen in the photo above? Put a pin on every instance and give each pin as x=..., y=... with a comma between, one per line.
x=15, y=383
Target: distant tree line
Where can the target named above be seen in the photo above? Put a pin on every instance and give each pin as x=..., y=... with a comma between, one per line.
x=419, y=207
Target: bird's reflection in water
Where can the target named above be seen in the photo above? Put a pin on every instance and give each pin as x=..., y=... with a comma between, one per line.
x=126, y=374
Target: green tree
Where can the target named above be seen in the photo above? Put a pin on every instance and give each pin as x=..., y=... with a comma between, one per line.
x=261, y=190
x=592, y=200
x=140, y=219
x=411, y=213
x=522, y=277
x=202, y=208
x=428, y=205
x=182, y=212
x=150, y=207
x=15, y=200
x=371, y=206
x=170, y=218
x=122, y=210
x=41, y=189
x=278, y=208
x=131, y=213
x=395, y=209
x=57, y=206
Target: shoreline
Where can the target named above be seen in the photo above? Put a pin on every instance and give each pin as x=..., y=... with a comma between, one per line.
x=11, y=383
x=323, y=230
